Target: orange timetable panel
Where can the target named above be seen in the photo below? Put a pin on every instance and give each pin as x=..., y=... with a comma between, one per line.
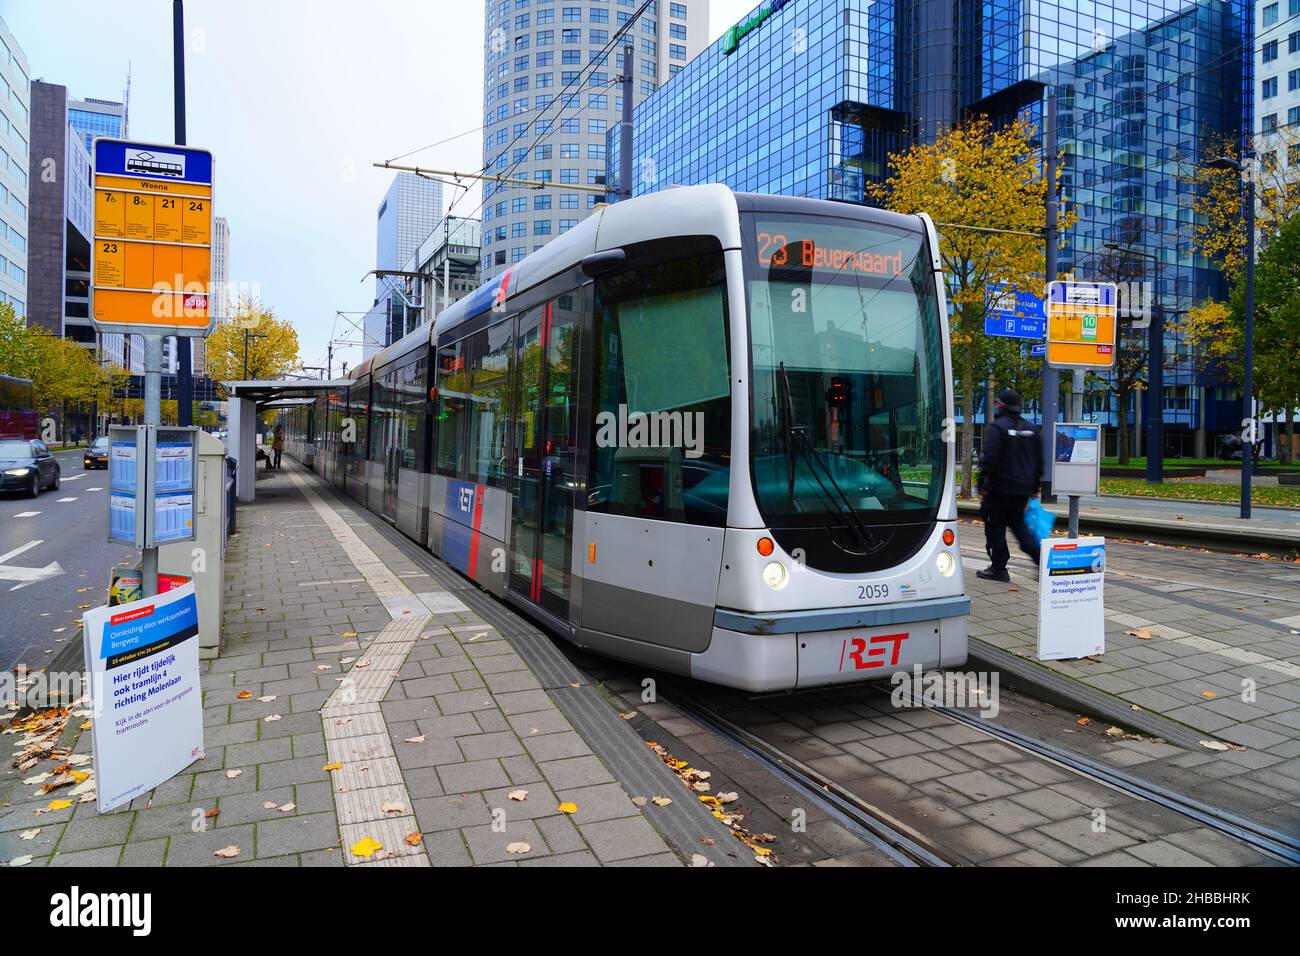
x=139, y=217
x=196, y=265
x=110, y=262
x=139, y=265
x=109, y=213
x=167, y=219
x=167, y=265
x=196, y=221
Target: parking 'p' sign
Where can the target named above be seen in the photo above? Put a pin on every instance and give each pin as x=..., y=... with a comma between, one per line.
x=151, y=257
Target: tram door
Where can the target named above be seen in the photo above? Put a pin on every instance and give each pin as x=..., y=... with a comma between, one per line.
x=391, y=430
x=546, y=480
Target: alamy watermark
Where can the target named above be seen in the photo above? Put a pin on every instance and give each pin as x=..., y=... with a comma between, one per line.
x=624, y=429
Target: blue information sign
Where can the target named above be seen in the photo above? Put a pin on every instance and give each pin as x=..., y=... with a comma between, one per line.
x=1038, y=351
x=1013, y=313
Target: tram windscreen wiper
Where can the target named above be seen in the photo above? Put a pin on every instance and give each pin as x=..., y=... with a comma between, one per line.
x=796, y=436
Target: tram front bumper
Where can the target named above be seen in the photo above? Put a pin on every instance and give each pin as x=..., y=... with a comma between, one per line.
x=807, y=649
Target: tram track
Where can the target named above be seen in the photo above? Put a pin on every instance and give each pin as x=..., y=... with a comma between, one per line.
x=1265, y=839
x=902, y=839
x=895, y=839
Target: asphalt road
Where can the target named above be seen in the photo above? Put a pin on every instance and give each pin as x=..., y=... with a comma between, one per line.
x=63, y=534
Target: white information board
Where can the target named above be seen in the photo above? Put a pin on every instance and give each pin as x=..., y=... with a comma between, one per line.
x=1076, y=459
x=147, y=708
x=1071, y=614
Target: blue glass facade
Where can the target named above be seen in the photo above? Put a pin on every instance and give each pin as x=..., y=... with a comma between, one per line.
x=812, y=101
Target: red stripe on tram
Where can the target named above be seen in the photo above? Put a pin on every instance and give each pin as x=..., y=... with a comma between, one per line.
x=475, y=533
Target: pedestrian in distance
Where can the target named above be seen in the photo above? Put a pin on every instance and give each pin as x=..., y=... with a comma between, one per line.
x=1011, y=466
x=277, y=446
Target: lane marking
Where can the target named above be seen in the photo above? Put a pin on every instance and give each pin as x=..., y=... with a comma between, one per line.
x=26, y=576
x=67, y=499
x=26, y=514
x=94, y=489
x=73, y=477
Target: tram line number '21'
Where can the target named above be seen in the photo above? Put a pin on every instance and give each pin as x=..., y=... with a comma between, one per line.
x=855, y=650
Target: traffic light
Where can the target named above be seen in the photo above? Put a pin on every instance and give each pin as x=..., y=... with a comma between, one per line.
x=838, y=395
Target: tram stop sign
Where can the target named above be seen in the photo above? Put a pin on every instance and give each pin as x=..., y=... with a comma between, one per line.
x=151, y=258
x=1082, y=324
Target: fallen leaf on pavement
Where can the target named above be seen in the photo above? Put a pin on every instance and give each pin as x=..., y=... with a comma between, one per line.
x=287, y=808
x=414, y=838
x=1141, y=634
x=729, y=797
x=266, y=700
x=640, y=801
x=332, y=766
x=232, y=774
x=1114, y=732
x=1084, y=721
x=520, y=847
x=213, y=812
x=29, y=834
x=662, y=801
x=392, y=806
x=567, y=807
x=268, y=805
x=227, y=852
x=270, y=717
x=1214, y=745
x=699, y=859
x=1208, y=693
x=414, y=740
x=244, y=694
x=20, y=860
x=366, y=847
x=517, y=795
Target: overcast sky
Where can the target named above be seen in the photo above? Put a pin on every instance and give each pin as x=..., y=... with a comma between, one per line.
x=295, y=100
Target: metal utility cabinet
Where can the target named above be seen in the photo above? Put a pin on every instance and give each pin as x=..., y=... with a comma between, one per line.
x=204, y=558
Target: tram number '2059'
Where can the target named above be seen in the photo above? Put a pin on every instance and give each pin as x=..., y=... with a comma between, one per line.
x=872, y=592
x=857, y=650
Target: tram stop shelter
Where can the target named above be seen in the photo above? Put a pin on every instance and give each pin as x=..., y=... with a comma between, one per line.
x=246, y=400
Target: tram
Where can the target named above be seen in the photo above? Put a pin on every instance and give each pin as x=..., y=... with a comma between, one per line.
x=704, y=431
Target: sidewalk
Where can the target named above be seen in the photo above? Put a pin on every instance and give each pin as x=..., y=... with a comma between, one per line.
x=1189, y=640
x=1163, y=517
x=358, y=700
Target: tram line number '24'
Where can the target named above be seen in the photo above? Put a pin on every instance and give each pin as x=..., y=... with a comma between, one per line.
x=856, y=651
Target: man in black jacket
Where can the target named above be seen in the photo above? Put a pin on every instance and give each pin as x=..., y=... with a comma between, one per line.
x=1011, y=464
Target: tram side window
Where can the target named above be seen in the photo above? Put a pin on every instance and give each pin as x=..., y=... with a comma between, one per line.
x=453, y=389
x=489, y=402
x=411, y=403
x=661, y=431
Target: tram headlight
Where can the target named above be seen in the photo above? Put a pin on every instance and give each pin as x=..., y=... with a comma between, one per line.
x=774, y=574
x=946, y=564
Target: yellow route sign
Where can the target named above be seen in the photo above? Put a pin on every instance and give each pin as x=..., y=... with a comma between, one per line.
x=1082, y=324
x=151, y=257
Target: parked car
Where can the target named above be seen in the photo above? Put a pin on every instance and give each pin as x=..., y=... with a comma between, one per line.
x=27, y=466
x=96, y=455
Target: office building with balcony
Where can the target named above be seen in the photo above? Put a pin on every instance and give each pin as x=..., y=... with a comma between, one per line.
x=810, y=97
x=550, y=97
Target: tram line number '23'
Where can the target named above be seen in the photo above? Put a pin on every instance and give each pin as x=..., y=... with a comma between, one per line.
x=856, y=651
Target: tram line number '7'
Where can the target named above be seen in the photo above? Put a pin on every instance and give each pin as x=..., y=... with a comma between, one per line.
x=859, y=651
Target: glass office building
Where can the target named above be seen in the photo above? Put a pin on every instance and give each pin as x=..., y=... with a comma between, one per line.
x=809, y=97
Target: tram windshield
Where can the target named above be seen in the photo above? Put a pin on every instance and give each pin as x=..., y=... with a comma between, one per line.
x=848, y=386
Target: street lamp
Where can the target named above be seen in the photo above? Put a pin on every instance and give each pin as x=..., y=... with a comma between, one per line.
x=1155, y=375
x=1248, y=444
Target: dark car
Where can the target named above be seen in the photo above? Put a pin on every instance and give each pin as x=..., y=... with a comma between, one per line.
x=27, y=466
x=96, y=455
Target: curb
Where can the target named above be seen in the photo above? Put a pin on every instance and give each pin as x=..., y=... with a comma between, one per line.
x=1053, y=688
x=1177, y=531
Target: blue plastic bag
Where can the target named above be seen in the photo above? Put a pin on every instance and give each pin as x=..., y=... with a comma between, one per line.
x=1039, y=519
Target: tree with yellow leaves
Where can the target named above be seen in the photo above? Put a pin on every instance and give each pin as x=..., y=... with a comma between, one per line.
x=271, y=344
x=986, y=189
